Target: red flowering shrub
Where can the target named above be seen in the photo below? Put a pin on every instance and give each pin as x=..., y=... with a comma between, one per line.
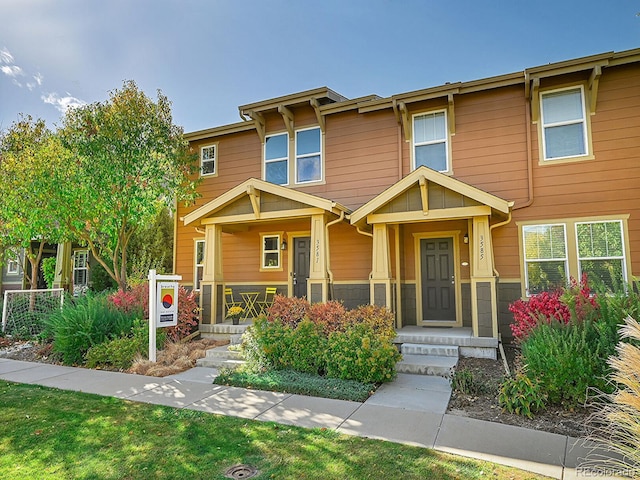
x=580, y=298
x=290, y=310
x=331, y=315
x=137, y=299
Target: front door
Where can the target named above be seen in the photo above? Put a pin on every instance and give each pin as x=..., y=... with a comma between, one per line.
x=301, y=264
x=438, y=280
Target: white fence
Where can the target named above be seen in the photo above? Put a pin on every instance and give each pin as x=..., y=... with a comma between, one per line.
x=24, y=311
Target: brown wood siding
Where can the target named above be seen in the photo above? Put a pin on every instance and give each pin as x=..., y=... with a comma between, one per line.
x=351, y=253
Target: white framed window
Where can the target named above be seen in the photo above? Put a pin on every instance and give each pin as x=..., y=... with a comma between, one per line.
x=199, y=264
x=564, y=123
x=13, y=266
x=270, y=252
x=276, y=159
x=80, y=268
x=431, y=141
x=545, y=257
x=308, y=155
x=601, y=252
x=208, y=160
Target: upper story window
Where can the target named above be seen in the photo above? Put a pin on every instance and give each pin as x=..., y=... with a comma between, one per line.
x=564, y=123
x=208, y=160
x=276, y=159
x=199, y=264
x=308, y=155
x=431, y=141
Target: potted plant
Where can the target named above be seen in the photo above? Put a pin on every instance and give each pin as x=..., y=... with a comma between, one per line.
x=234, y=313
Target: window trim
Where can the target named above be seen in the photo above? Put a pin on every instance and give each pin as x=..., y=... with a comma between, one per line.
x=447, y=139
x=196, y=282
x=586, y=127
x=526, y=262
x=572, y=243
x=273, y=268
x=279, y=159
x=215, y=160
x=320, y=153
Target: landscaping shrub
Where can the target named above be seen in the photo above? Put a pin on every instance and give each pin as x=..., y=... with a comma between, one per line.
x=464, y=381
x=521, y=395
x=290, y=310
x=359, y=353
x=84, y=322
x=380, y=319
x=330, y=315
x=48, y=268
x=120, y=352
x=289, y=381
x=136, y=302
x=540, y=308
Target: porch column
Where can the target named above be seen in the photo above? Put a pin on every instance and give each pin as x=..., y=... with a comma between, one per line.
x=318, y=283
x=380, y=282
x=212, y=284
x=62, y=278
x=484, y=299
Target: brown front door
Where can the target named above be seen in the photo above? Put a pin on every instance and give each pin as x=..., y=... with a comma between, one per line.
x=301, y=264
x=438, y=279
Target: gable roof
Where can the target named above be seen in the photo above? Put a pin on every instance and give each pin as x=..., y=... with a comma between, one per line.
x=253, y=185
x=421, y=175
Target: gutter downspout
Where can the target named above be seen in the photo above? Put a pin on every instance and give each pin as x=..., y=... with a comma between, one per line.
x=327, y=250
x=527, y=115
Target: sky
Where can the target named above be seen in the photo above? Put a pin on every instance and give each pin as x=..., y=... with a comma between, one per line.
x=210, y=56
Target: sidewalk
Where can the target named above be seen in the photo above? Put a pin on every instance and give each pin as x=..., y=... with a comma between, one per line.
x=410, y=410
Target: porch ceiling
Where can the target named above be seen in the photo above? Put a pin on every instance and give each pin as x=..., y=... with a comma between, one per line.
x=426, y=195
x=257, y=200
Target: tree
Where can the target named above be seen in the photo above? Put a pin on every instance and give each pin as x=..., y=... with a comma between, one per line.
x=31, y=159
x=133, y=162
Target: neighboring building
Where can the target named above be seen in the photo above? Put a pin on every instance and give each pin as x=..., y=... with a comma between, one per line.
x=11, y=274
x=444, y=204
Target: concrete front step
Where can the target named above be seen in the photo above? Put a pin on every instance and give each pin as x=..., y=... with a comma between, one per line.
x=436, y=365
x=221, y=357
x=423, y=349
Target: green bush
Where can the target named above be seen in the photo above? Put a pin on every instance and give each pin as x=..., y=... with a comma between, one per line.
x=464, y=381
x=360, y=354
x=84, y=322
x=120, y=352
x=569, y=359
x=289, y=381
x=521, y=395
x=48, y=267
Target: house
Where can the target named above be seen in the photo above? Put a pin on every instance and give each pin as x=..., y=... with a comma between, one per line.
x=444, y=204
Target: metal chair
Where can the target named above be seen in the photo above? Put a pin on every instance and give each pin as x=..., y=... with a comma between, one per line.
x=229, y=301
x=269, y=295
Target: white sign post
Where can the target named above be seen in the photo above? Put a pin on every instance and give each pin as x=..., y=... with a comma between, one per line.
x=163, y=305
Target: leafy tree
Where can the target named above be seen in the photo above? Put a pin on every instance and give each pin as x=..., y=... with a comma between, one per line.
x=151, y=247
x=31, y=161
x=133, y=162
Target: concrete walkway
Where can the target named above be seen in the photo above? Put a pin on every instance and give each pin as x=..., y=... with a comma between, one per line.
x=410, y=410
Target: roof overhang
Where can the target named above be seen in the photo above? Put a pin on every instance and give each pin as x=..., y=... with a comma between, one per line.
x=472, y=201
x=303, y=204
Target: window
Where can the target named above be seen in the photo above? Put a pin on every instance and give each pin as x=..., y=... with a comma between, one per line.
x=208, y=160
x=13, y=267
x=308, y=156
x=276, y=159
x=601, y=252
x=430, y=144
x=80, y=268
x=564, y=125
x=271, y=251
x=545, y=257
x=555, y=252
x=199, y=264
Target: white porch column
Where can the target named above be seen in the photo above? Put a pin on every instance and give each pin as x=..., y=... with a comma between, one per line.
x=484, y=299
x=380, y=282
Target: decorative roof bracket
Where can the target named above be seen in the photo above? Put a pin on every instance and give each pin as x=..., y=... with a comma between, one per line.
x=259, y=122
x=533, y=98
x=594, y=80
x=287, y=116
x=452, y=115
x=316, y=108
x=406, y=121
x=254, y=196
x=424, y=194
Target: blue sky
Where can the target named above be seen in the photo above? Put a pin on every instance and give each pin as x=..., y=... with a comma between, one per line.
x=209, y=57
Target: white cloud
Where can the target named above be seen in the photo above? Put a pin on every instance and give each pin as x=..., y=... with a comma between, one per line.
x=5, y=56
x=38, y=78
x=12, y=70
x=62, y=103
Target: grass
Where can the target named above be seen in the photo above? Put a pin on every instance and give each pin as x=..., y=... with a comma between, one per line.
x=289, y=381
x=51, y=434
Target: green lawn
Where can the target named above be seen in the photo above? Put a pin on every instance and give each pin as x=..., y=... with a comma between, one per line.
x=47, y=433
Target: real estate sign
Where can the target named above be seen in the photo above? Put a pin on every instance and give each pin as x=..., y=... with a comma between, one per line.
x=167, y=304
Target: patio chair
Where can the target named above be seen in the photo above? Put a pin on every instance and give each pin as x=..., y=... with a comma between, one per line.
x=229, y=301
x=269, y=295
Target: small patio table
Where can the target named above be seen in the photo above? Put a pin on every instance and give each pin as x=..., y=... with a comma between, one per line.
x=250, y=299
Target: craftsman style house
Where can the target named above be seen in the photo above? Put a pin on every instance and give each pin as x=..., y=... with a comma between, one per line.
x=444, y=204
